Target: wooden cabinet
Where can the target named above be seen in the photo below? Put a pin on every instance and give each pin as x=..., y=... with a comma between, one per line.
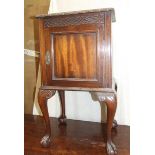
x=76, y=55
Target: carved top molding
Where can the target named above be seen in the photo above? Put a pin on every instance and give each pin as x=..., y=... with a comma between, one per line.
x=76, y=17
x=74, y=20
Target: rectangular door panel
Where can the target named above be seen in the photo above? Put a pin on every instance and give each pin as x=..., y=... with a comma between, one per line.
x=74, y=56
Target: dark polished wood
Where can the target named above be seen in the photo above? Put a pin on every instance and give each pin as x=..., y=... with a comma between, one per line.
x=76, y=55
x=77, y=138
x=110, y=100
x=43, y=96
x=74, y=64
x=62, y=118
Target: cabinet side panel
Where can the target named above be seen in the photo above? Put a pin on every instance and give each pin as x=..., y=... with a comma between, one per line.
x=107, y=54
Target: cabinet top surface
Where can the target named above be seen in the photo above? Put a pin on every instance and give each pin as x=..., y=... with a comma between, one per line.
x=111, y=10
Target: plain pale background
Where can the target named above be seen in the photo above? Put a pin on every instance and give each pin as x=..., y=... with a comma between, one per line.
x=79, y=105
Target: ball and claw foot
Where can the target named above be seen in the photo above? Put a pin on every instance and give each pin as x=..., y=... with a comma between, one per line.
x=45, y=141
x=114, y=124
x=111, y=148
x=62, y=120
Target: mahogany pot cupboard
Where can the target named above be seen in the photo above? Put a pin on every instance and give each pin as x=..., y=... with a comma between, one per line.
x=75, y=54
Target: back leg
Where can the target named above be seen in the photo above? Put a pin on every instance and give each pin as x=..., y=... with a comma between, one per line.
x=62, y=118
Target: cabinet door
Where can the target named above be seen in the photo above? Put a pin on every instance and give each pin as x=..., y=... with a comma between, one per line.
x=74, y=55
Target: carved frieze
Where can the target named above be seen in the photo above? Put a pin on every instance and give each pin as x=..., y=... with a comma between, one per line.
x=77, y=19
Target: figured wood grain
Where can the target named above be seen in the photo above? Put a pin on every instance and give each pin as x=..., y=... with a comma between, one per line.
x=75, y=55
x=80, y=54
x=98, y=60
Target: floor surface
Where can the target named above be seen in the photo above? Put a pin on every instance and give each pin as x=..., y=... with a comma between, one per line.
x=77, y=138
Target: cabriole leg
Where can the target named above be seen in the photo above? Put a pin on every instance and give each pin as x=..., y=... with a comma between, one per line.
x=43, y=96
x=110, y=100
